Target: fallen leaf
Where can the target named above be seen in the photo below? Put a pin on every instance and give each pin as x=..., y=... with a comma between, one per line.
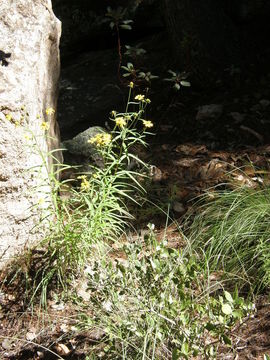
x=58, y=307
x=192, y=150
x=30, y=335
x=62, y=349
x=64, y=328
x=6, y=344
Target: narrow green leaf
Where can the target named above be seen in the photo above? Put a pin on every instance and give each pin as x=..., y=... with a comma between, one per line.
x=185, y=83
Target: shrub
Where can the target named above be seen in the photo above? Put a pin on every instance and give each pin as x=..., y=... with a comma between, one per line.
x=152, y=303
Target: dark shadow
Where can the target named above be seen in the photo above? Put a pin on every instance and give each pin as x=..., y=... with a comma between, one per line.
x=3, y=57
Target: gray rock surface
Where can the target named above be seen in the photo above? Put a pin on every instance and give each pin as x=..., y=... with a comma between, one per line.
x=29, y=71
x=212, y=111
x=79, y=152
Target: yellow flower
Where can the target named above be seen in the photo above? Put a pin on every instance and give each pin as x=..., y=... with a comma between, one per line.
x=121, y=122
x=50, y=111
x=147, y=123
x=131, y=85
x=9, y=117
x=44, y=125
x=113, y=113
x=139, y=97
x=102, y=139
x=27, y=137
x=41, y=201
x=17, y=123
x=85, y=184
x=148, y=101
x=107, y=138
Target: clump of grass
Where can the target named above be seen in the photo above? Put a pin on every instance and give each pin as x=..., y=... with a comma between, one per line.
x=233, y=230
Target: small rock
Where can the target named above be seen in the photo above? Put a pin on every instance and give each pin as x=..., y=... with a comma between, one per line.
x=179, y=207
x=211, y=111
x=255, y=108
x=79, y=152
x=264, y=103
x=237, y=117
x=79, y=145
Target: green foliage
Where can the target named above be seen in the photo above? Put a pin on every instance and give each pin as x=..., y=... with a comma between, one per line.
x=117, y=18
x=134, y=51
x=178, y=79
x=152, y=303
x=233, y=230
x=137, y=75
x=130, y=70
x=96, y=211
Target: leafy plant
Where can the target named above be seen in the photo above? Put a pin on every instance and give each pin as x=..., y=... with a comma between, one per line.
x=148, y=76
x=130, y=71
x=116, y=17
x=134, y=51
x=96, y=209
x=137, y=76
x=178, y=79
x=151, y=304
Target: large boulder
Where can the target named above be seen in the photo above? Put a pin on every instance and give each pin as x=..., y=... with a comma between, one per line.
x=29, y=72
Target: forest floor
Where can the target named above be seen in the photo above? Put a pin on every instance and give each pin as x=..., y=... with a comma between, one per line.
x=191, y=153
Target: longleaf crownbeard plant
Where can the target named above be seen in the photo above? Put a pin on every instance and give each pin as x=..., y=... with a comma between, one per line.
x=97, y=209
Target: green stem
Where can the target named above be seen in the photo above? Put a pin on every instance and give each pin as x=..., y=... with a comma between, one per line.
x=129, y=95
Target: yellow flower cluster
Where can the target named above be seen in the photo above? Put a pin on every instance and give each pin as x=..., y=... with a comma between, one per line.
x=121, y=122
x=131, y=85
x=147, y=123
x=44, y=126
x=41, y=201
x=27, y=137
x=101, y=139
x=139, y=97
x=142, y=99
x=85, y=184
x=9, y=117
x=50, y=111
